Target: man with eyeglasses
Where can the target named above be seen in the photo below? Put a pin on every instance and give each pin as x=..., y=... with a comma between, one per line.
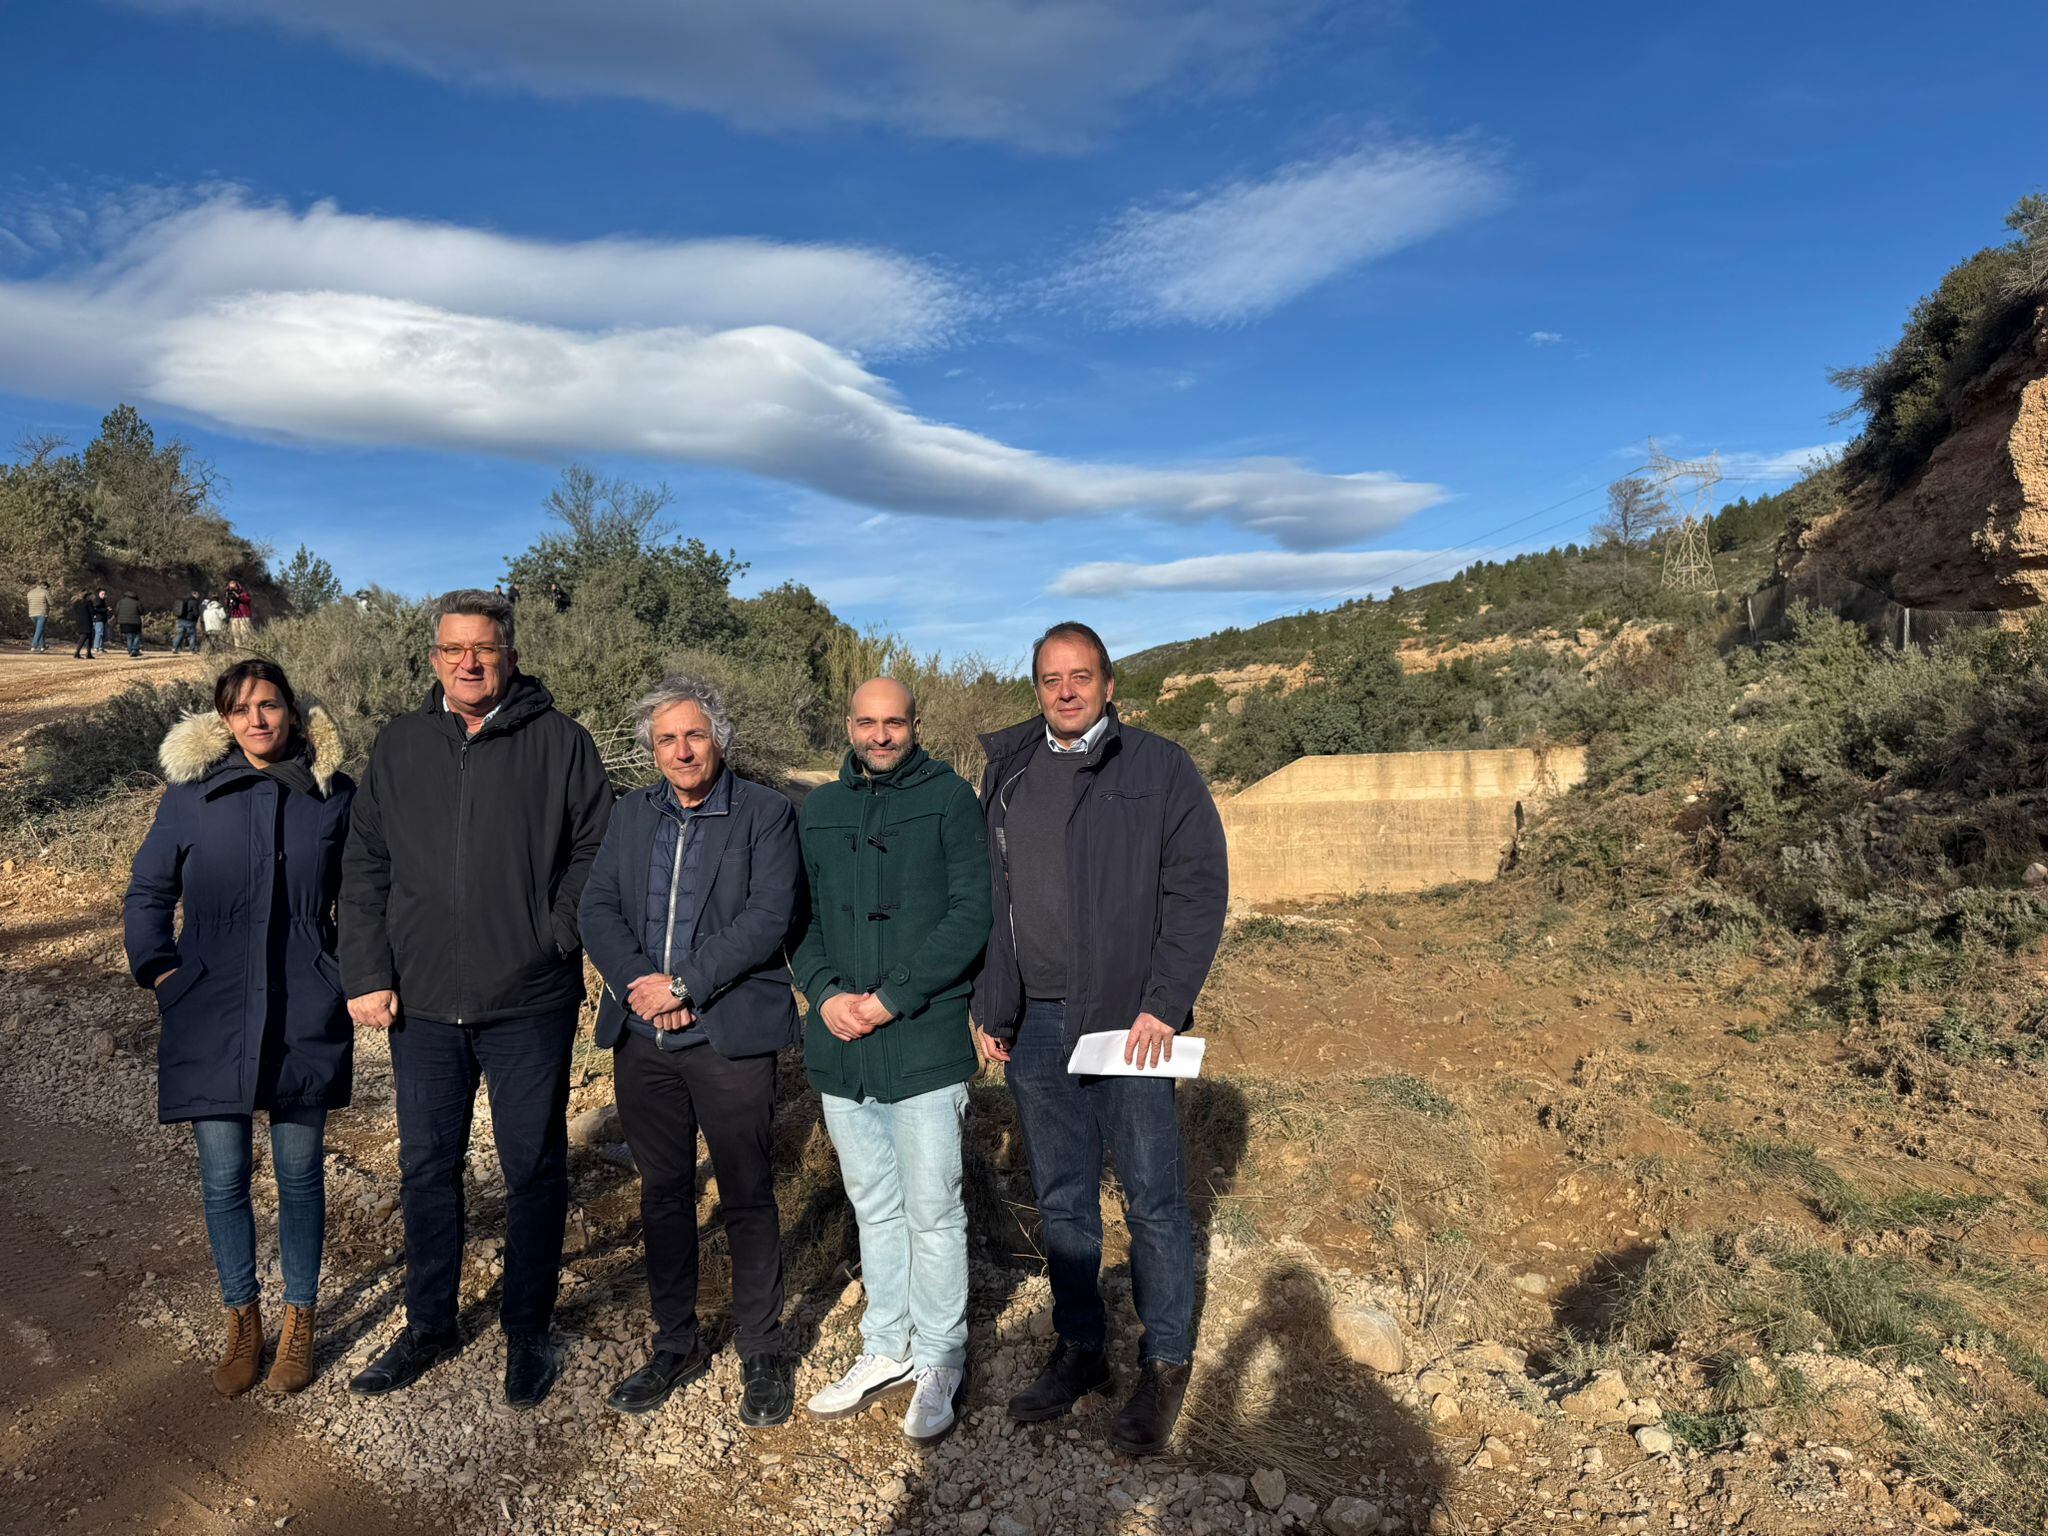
x=472, y=834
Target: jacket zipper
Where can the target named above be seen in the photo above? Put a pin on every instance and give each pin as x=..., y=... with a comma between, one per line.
x=461, y=806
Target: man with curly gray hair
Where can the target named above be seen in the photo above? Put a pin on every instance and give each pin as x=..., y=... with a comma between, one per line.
x=687, y=916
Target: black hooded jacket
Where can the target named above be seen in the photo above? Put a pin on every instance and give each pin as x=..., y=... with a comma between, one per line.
x=467, y=858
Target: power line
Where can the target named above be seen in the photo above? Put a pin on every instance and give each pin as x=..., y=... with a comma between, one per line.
x=1468, y=557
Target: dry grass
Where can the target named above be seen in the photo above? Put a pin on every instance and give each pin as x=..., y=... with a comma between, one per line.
x=98, y=837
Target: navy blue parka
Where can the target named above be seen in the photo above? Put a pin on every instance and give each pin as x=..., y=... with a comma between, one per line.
x=255, y=1017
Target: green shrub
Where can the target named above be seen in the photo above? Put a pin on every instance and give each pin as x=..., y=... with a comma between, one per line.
x=73, y=761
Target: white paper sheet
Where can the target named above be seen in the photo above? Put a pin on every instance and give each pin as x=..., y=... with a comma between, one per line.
x=1102, y=1055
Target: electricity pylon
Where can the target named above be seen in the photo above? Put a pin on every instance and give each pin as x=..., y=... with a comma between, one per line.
x=1688, y=563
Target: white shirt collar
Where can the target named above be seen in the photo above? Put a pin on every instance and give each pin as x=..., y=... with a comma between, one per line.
x=1088, y=738
x=450, y=709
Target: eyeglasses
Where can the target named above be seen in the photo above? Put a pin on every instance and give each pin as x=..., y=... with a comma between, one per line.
x=485, y=654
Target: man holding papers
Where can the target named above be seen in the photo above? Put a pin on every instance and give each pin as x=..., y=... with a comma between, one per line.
x=1109, y=882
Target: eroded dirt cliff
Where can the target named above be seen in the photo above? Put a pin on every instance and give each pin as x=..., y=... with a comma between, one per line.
x=1971, y=529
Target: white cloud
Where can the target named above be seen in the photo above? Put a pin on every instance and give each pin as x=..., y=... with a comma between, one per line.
x=359, y=356
x=1249, y=247
x=1791, y=464
x=156, y=252
x=1047, y=74
x=1545, y=338
x=1256, y=571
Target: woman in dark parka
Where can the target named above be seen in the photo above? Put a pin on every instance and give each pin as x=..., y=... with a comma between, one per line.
x=249, y=835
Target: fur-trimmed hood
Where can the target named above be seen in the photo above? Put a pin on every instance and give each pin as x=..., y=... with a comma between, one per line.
x=195, y=746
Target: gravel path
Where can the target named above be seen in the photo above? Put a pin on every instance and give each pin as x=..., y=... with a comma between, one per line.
x=1288, y=1427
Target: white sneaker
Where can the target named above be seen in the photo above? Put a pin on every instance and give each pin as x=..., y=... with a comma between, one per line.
x=931, y=1413
x=867, y=1379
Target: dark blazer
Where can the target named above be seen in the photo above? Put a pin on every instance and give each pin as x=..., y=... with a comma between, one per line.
x=1148, y=879
x=254, y=1018
x=733, y=959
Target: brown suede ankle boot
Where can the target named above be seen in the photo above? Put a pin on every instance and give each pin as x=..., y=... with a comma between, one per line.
x=293, y=1367
x=241, y=1359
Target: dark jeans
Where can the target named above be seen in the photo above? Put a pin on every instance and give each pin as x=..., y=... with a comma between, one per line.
x=663, y=1097
x=296, y=1157
x=524, y=1065
x=188, y=634
x=1068, y=1123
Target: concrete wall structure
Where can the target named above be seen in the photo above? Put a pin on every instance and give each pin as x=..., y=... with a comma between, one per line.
x=1391, y=821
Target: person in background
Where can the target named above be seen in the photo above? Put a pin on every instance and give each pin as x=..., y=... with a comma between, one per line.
x=102, y=615
x=897, y=863
x=241, y=611
x=559, y=595
x=474, y=830
x=187, y=614
x=248, y=839
x=38, y=615
x=213, y=621
x=128, y=616
x=687, y=915
x=512, y=593
x=82, y=622
x=1110, y=882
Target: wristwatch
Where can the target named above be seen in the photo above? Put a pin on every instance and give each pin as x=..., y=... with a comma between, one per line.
x=679, y=989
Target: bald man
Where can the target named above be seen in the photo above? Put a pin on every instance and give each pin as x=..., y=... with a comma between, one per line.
x=898, y=863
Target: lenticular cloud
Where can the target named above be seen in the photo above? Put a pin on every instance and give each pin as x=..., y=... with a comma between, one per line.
x=331, y=327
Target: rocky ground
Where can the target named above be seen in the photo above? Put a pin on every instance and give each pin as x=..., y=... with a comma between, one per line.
x=1341, y=1384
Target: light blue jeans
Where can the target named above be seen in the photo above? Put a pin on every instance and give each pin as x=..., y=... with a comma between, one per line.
x=901, y=1166
x=297, y=1145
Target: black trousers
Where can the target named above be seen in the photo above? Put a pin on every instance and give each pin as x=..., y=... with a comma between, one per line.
x=524, y=1065
x=663, y=1098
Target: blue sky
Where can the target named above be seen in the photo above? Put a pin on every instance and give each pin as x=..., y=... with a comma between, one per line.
x=973, y=315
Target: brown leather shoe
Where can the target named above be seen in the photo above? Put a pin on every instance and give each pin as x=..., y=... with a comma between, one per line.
x=293, y=1367
x=241, y=1359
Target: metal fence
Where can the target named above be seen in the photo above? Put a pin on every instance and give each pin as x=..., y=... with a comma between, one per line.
x=1887, y=621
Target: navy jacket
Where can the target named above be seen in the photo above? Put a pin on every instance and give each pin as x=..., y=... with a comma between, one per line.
x=733, y=958
x=1148, y=880
x=255, y=1017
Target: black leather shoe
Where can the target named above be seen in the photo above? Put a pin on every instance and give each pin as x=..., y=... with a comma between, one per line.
x=531, y=1366
x=1146, y=1422
x=408, y=1358
x=649, y=1387
x=770, y=1395
x=1070, y=1374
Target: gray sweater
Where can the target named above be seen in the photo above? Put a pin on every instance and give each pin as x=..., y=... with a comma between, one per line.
x=1041, y=801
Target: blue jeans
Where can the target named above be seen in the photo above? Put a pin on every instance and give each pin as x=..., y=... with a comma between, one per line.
x=900, y=1164
x=1069, y=1122
x=134, y=637
x=524, y=1063
x=39, y=623
x=99, y=634
x=297, y=1150
x=188, y=634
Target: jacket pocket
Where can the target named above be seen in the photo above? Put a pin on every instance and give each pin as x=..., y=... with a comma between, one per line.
x=329, y=970
x=182, y=981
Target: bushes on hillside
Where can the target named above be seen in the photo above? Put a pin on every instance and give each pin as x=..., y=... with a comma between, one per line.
x=1883, y=804
x=81, y=758
x=1907, y=395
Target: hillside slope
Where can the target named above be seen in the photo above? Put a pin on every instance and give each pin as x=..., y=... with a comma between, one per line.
x=1970, y=530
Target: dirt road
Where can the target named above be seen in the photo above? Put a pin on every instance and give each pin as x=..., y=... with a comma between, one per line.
x=106, y=1425
x=34, y=690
